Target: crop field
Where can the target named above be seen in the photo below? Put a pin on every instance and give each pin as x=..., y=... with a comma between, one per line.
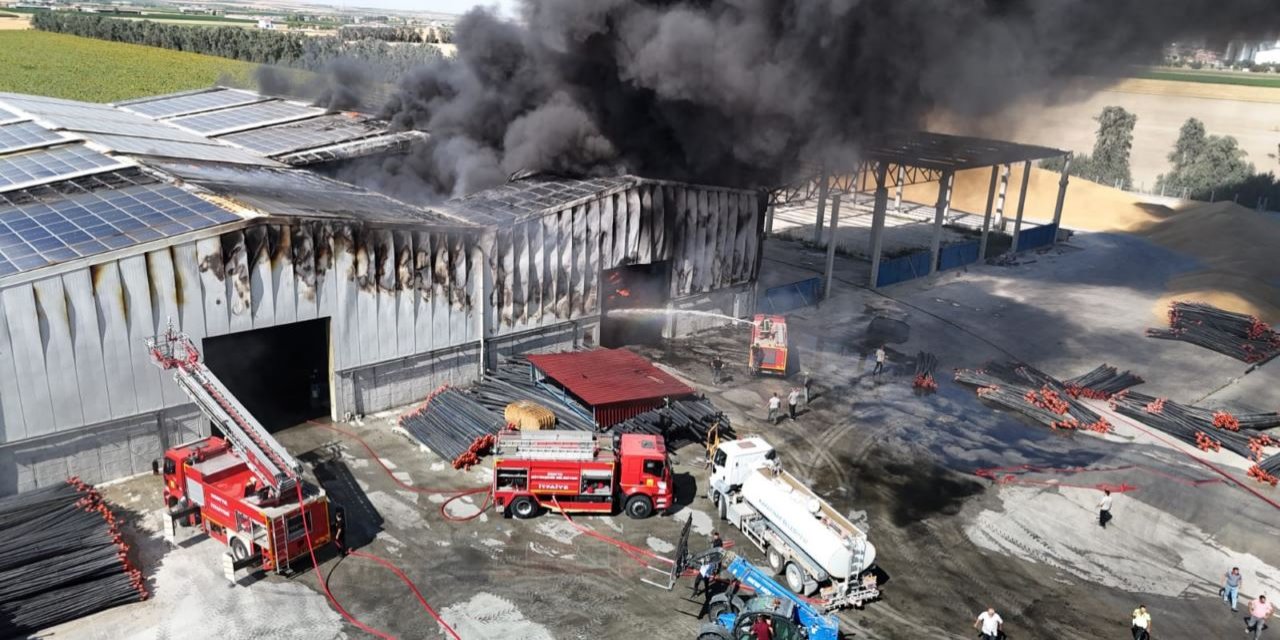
x=75, y=68
x=1259, y=79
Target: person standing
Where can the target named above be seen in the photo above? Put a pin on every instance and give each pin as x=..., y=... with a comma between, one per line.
x=880, y=358
x=705, y=573
x=1141, y=623
x=1259, y=611
x=989, y=624
x=793, y=401
x=340, y=531
x=1231, y=586
x=716, y=541
x=1104, y=508
x=775, y=403
x=717, y=369
x=762, y=629
x=808, y=388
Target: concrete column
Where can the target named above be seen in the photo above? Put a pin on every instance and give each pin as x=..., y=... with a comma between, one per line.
x=822, y=209
x=1062, y=195
x=897, y=193
x=1022, y=203
x=768, y=220
x=877, y=221
x=986, y=218
x=1000, y=196
x=831, y=247
x=940, y=214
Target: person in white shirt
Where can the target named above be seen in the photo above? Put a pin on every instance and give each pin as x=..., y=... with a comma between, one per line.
x=880, y=356
x=1104, y=508
x=1141, y=623
x=775, y=403
x=989, y=624
x=793, y=400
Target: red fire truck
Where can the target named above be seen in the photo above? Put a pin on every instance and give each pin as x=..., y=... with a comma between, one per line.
x=578, y=471
x=768, y=352
x=244, y=490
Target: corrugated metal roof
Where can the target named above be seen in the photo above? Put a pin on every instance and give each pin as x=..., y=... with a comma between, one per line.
x=608, y=376
x=533, y=196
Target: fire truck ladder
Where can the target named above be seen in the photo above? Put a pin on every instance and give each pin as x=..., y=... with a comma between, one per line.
x=267, y=458
x=548, y=445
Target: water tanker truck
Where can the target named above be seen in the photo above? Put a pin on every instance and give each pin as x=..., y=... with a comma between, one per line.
x=804, y=539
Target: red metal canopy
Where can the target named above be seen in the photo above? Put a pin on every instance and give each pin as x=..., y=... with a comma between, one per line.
x=609, y=376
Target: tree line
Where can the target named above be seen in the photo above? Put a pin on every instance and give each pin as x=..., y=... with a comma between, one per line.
x=1202, y=166
x=436, y=35
x=281, y=48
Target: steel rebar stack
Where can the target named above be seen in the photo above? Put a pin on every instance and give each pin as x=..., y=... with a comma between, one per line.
x=61, y=557
x=925, y=364
x=453, y=426
x=684, y=421
x=1245, y=338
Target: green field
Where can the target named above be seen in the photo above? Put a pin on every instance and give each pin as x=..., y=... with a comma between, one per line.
x=157, y=16
x=75, y=68
x=1259, y=79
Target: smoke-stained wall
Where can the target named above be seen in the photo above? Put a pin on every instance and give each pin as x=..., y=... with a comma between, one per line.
x=80, y=396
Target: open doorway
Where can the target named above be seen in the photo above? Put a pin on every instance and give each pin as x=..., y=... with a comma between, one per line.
x=280, y=374
x=635, y=286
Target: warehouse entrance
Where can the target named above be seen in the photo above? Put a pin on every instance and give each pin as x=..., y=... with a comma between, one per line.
x=280, y=374
x=633, y=304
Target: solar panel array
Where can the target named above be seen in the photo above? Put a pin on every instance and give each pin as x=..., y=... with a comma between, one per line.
x=97, y=118
x=24, y=135
x=308, y=134
x=533, y=195
x=193, y=102
x=176, y=149
x=37, y=234
x=6, y=115
x=47, y=165
x=245, y=117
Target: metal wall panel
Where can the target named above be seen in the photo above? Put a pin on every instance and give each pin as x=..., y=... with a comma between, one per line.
x=305, y=277
x=384, y=264
x=440, y=291
x=137, y=295
x=235, y=260
x=346, y=327
x=592, y=249
x=90, y=371
x=28, y=359
x=164, y=306
x=635, y=220
x=113, y=325
x=406, y=294
x=459, y=256
x=578, y=277
x=59, y=357
x=217, y=309
x=366, y=320
x=422, y=291
x=262, y=295
x=12, y=423
x=551, y=285
x=283, y=282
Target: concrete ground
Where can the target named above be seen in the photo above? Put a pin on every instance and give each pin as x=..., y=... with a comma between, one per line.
x=899, y=462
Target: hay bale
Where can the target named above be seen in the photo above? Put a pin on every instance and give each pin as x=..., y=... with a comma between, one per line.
x=529, y=416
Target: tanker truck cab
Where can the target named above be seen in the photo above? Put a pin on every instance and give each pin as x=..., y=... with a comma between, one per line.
x=734, y=460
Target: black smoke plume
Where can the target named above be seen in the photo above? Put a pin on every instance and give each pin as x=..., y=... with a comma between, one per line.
x=739, y=91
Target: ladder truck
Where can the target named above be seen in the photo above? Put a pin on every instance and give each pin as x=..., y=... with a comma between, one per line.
x=243, y=489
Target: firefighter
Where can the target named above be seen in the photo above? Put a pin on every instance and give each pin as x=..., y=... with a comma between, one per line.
x=340, y=531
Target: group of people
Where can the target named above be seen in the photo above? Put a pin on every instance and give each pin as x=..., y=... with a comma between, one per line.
x=991, y=626
x=793, y=403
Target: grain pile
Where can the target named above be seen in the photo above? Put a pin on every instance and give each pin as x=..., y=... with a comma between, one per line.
x=1234, y=244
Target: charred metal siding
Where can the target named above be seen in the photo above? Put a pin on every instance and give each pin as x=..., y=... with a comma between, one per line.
x=547, y=267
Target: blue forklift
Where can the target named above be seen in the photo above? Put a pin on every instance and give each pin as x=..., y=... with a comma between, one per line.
x=734, y=617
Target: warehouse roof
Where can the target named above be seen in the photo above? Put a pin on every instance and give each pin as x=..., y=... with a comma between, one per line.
x=609, y=376
x=535, y=195
x=940, y=151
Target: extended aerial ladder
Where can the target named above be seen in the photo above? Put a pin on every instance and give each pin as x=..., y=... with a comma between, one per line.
x=275, y=469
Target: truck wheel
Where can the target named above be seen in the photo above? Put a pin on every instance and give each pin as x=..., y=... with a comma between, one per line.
x=639, y=507
x=777, y=561
x=718, y=607
x=238, y=550
x=795, y=577
x=524, y=507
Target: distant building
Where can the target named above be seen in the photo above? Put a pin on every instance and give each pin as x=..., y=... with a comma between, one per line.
x=266, y=23
x=1268, y=56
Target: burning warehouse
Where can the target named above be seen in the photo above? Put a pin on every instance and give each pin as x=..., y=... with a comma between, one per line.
x=307, y=295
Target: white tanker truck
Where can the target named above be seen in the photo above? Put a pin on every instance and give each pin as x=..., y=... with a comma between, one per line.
x=803, y=538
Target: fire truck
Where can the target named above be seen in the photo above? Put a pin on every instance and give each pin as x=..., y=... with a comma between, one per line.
x=768, y=352
x=579, y=471
x=243, y=489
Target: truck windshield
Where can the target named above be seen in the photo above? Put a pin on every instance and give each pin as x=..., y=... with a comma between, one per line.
x=720, y=458
x=655, y=467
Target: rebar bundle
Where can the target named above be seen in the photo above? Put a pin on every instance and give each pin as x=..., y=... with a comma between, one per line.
x=684, y=421
x=1207, y=429
x=512, y=382
x=61, y=557
x=925, y=364
x=1101, y=383
x=453, y=426
x=1245, y=338
x=1033, y=393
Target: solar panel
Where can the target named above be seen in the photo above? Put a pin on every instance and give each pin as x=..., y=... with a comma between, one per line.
x=191, y=103
x=208, y=150
x=308, y=134
x=36, y=234
x=46, y=165
x=25, y=135
x=85, y=116
x=8, y=116
x=246, y=117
